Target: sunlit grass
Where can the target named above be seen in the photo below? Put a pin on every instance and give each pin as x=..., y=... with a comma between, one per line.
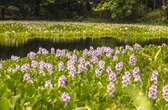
x=20, y=32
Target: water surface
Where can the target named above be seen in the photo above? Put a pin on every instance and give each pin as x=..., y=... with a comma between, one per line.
x=33, y=45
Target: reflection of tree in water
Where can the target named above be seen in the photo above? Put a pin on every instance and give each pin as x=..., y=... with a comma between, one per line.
x=79, y=44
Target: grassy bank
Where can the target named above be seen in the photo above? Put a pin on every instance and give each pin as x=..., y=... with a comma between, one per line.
x=19, y=32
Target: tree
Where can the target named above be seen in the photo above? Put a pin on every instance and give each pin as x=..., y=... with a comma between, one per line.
x=7, y=7
x=3, y=7
x=165, y=8
x=119, y=9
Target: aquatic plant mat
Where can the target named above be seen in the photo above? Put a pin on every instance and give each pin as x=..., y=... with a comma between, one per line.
x=123, y=78
x=12, y=33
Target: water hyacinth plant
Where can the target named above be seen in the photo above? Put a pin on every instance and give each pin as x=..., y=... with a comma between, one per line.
x=125, y=78
x=165, y=93
x=65, y=97
x=21, y=32
x=102, y=78
x=152, y=92
x=61, y=81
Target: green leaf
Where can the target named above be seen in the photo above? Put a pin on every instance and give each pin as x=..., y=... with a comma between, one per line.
x=4, y=104
x=157, y=54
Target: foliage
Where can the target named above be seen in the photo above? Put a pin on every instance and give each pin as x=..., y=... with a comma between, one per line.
x=15, y=33
x=24, y=81
x=156, y=14
x=72, y=9
x=119, y=9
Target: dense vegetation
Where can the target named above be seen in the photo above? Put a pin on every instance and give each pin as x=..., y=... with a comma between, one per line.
x=96, y=78
x=63, y=9
x=22, y=31
x=121, y=78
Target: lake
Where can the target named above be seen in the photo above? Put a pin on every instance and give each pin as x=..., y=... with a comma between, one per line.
x=79, y=44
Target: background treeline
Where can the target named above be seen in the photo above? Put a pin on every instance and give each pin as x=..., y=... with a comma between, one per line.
x=78, y=9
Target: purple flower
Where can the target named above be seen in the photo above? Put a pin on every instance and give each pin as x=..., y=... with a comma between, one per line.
x=98, y=72
x=43, y=51
x=26, y=77
x=72, y=71
x=154, y=77
x=132, y=60
x=82, y=60
x=85, y=52
x=102, y=64
x=94, y=59
x=110, y=88
x=165, y=93
x=60, y=53
x=136, y=75
x=34, y=64
x=41, y=65
x=112, y=77
x=47, y=84
x=48, y=66
x=71, y=62
x=137, y=46
x=61, y=81
x=152, y=93
x=81, y=68
x=65, y=97
x=108, y=51
x=125, y=79
x=25, y=67
x=119, y=66
x=60, y=66
x=109, y=70
x=73, y=58
x=31, y=55
x=136, y=70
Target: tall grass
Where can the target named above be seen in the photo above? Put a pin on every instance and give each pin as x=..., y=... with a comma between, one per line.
x=20, y=32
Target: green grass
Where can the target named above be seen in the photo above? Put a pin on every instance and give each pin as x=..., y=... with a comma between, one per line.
x=87, y=91
x=19, y=32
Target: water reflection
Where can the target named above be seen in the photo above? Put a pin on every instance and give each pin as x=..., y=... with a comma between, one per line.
x=34, y=44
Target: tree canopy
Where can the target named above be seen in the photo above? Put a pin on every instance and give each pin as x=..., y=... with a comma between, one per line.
x=69, y=9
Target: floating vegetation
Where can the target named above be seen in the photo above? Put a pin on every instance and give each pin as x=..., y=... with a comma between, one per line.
x=20, y=32
x=102, y=78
